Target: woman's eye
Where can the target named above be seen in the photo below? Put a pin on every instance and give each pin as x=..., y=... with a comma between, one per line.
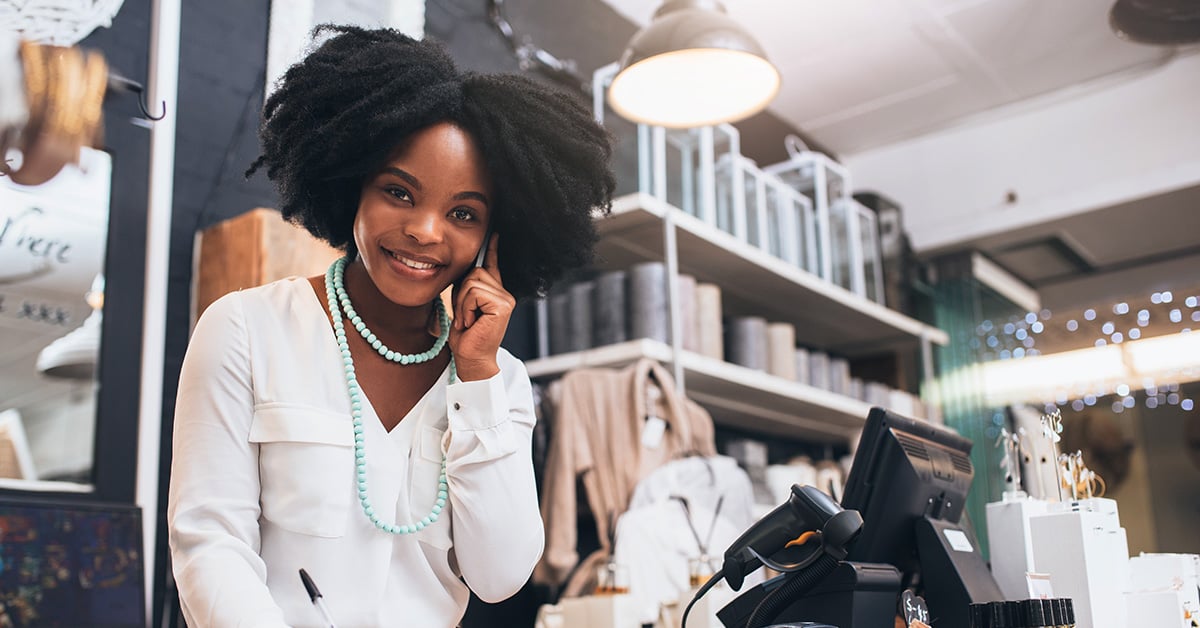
x=462, y=214
x=399, y=193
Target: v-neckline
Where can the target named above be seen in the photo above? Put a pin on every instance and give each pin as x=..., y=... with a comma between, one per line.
x=336, y=352
x=419, y=405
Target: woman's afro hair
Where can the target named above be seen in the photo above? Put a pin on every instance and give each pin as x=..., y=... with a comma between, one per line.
x=336, y=116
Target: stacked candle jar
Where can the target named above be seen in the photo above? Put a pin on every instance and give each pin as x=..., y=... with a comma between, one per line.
x=622, y=305
x=1035, y=613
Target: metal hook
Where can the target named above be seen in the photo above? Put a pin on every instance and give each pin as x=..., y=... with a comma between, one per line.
x=146, y=110
x=117, y=82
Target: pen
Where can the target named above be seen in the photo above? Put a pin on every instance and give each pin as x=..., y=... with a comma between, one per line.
x=315, y=595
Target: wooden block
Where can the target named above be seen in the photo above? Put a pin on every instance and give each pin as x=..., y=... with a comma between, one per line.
x=253, y=249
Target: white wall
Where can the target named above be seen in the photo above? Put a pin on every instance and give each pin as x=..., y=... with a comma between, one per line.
x=1060, y=155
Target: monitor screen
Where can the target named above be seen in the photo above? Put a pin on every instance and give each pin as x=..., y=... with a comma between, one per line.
x=903, y=471
x=66, y=563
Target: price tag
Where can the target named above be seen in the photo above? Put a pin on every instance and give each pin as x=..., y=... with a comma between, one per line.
x=1039, y=585
x=916, y=614
x=652, y=432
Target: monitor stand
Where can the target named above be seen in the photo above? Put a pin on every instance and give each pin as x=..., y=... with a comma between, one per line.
x=953, y=573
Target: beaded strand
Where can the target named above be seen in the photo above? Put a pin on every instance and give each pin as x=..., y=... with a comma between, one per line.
x=377, y=344
x=335, y=291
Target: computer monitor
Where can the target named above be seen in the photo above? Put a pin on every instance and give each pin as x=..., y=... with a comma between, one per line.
x=909, y=482
x=67, y=563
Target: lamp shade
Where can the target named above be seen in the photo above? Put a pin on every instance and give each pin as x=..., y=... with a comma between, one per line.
x=692, y=66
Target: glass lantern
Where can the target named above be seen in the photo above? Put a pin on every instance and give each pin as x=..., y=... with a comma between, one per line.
x=825, y=183
x=687, y=167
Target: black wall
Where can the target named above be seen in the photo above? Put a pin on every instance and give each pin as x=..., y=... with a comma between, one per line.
x=222, y=64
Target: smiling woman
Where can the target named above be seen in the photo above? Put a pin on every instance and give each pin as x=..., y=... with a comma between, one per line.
x=343, y=424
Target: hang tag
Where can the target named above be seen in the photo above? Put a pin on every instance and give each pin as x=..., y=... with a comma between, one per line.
x=916, y=613
x=1039, y=585
x=652, y=432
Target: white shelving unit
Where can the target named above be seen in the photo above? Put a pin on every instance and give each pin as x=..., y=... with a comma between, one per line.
x=753, y=282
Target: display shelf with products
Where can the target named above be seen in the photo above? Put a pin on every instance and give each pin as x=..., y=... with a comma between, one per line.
x=737, y=386
x=754, y=282
x=735, y=396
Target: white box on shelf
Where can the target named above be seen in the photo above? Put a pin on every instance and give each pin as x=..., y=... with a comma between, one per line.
x=1085, y=551
x=1010, y=547
x=591, y=611
x=1160, y=609
x=1166, y=586
x=1162, y=571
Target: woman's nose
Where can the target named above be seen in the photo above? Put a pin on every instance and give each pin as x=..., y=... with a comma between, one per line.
x=424, y=228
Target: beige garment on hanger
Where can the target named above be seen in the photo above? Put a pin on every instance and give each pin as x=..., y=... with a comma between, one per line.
x=598, y=417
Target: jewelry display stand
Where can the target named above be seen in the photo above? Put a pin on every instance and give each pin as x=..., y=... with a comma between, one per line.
x=1010, y=544
x=1083, y=547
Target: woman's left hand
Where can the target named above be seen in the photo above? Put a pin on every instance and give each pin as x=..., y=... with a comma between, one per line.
x=482, y=308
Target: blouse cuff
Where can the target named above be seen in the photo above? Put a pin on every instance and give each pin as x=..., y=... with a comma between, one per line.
x=477, y=405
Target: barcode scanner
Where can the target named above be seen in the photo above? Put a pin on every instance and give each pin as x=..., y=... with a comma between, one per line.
x=767, y=541
x=780, y=541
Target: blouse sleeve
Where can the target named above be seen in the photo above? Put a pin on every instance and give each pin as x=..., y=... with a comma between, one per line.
x=213, y=507
x=498, y=536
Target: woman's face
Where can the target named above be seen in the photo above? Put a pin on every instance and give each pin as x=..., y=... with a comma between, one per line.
x=422, y=218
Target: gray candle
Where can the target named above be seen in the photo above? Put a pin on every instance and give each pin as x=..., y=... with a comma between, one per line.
x=648, y=301
x=802, y=367
x=839, y=376
x=608, y=306
x=580, y=321
x=818, y=370
x=560, y=323
x=746, y=341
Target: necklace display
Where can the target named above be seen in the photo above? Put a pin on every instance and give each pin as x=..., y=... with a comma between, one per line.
x=335, y=292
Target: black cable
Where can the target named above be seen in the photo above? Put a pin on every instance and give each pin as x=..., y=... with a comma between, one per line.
x=793, y=588
x=712, y=582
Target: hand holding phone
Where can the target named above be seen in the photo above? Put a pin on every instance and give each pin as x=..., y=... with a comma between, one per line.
x=482, y=308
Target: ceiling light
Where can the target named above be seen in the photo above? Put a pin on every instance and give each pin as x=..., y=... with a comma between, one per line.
x=1161, y=22
x=692, y=66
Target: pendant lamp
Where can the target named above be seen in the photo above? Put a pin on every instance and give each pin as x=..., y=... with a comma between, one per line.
x=692, y=66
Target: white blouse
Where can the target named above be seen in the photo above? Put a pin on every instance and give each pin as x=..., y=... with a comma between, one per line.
x=263, y=479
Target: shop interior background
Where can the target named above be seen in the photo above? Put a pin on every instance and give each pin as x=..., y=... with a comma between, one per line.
x=1022, y=130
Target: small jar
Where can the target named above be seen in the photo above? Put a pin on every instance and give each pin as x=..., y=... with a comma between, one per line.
x=612, y=579
x=700, y=569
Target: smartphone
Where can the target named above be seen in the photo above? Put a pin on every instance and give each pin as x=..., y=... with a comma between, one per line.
x=487, y=237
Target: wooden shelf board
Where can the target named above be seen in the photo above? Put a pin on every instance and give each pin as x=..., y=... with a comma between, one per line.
x=735, y=395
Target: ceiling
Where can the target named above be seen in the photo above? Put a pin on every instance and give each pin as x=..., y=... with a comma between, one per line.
x=1106, y=253
x=859, y=74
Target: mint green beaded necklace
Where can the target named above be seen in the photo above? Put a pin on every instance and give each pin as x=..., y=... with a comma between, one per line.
x=335, y=292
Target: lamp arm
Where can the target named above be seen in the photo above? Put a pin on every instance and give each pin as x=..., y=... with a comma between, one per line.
x=531, y=57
